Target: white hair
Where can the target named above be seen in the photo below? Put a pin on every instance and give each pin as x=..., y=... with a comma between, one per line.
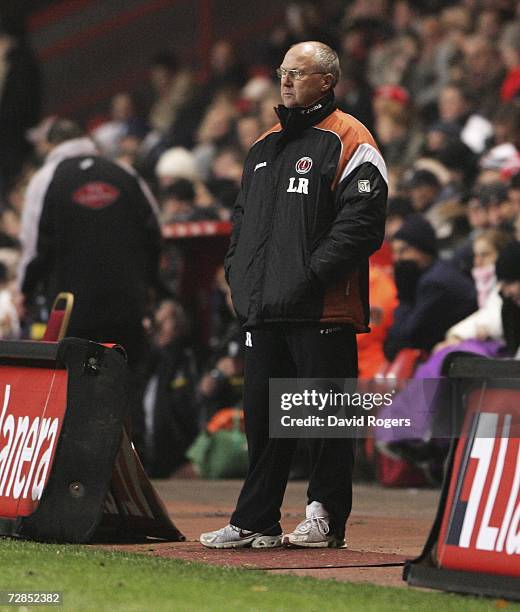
x=326, y=59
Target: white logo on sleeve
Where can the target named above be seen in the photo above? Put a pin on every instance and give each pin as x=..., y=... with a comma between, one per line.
x=260, y=165
x=249, y=339
x=301, y=187
x=363, y=186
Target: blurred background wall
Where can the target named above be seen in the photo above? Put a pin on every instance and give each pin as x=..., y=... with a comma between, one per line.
x=91, y=49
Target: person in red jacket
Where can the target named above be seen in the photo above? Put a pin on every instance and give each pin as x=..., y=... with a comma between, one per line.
x=383, y=302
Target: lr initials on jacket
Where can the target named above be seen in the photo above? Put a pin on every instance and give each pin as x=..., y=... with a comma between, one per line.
x=302, y=187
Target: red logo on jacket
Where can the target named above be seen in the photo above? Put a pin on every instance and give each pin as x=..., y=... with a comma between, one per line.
x=303, y=165
x=96, y=195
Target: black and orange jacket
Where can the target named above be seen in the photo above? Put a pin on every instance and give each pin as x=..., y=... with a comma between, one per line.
x=310, y=212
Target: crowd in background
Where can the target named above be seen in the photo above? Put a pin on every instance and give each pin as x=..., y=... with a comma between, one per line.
x=438, y=84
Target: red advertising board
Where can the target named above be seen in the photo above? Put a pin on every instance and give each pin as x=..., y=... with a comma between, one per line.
x=32, y=407
x=66, y=461
x=480, y=530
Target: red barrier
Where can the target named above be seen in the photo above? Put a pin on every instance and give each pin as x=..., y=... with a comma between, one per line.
x=65, y=461
x=195, y=229
x=481, y=530
x=474, y=543
x=33, y=407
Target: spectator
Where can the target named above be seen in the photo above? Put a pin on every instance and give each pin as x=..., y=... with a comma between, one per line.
x=489, y=22
x=267, y=112
x=396, y=130
x=397, y=210
x=229, y=164
x=221, y=384
x=10, y=223
x=171, y=415
x=248, y=131
x=214, y=132
x=9, y=322
x=37, y=136
x=176, y=163
x=226, y=70
x=508, y=274
x=486, y=322
x=226, y=175
x=433, y=295
x=130, y=150
x=424, y=188
x=178, y=204
x=517, y=228
x=503, y=120
x=460, y=164
x=431, y=73
x=173, y=88
x=354, y=93
x=513, y=193
x=383, y=302
x=454, y=106
x=501, y=210
x=259, y=87
x=483, y=74
x=494, y=161
x=510, y=51
x=123, y=120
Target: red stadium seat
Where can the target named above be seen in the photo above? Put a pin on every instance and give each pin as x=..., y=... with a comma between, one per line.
x=395, y=471
x=59, y=317
x=404, y=364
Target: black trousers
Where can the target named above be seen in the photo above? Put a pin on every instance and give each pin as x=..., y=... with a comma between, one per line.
x=293, y=352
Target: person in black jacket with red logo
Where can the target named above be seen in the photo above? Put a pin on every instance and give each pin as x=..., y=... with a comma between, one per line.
x=310, y=212
x=97, y=237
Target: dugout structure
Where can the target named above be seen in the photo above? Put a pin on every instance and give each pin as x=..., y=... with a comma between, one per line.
x=474, y=544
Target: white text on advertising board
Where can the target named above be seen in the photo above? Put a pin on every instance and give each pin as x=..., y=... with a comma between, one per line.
x=26, y=448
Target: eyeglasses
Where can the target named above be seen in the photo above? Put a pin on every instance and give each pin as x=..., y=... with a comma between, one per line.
x=295, y=74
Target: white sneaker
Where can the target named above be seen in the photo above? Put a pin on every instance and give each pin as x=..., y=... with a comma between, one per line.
x=314, y=531
x=235, y=537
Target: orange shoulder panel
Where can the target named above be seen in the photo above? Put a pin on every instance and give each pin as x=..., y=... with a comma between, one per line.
x=351, y=133
x=276, y=128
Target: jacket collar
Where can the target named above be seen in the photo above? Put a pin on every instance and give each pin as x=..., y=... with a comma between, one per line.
x=300, y=117
x=71, y=148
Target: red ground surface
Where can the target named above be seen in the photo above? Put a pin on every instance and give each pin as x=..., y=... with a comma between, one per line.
x=386, y=527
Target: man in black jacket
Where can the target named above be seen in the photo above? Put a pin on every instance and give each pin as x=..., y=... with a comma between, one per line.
x=433, y=294
x=310, y=212
x=97, y=237
x=89, y=227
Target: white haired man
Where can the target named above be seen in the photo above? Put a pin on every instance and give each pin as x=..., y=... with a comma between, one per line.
x=310, y=212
